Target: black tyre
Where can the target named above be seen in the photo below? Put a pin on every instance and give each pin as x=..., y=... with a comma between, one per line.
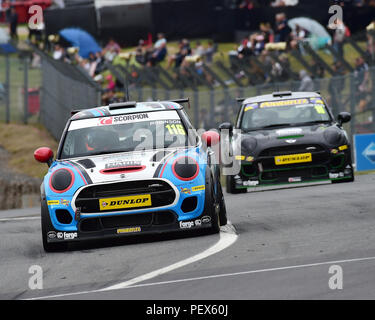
x=231, y=188
x=47, y=227
x=223, y=209
x=211, y=207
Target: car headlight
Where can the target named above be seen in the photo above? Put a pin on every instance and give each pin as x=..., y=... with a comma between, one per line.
x=248, y=145
x=61, y=180
x=333, y=137
x=185, y=168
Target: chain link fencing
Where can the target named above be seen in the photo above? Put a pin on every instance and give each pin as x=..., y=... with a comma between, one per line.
x=65, y=88
x=54, y=89
x=20, y=84
x=208, y=108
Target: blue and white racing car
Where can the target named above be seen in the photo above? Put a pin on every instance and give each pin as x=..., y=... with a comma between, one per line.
x=130, y=168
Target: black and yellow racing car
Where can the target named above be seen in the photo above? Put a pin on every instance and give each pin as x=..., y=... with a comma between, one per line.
x=286, y=138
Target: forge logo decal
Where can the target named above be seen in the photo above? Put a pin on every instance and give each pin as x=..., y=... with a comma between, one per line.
x=125, y=202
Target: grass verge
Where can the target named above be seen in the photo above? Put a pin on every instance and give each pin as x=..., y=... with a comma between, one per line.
x=21, y=141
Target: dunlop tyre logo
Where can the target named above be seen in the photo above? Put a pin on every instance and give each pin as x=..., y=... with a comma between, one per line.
x=125, y=202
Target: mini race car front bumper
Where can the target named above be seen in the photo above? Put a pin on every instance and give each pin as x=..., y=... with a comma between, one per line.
x=264, y=172
x=129, y=225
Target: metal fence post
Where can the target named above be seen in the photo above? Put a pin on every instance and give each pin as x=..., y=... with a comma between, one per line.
x=373, y=97
x=353, y=102
x=26, y=89
x=212, y=106
x=196, y=106
x=7, y=88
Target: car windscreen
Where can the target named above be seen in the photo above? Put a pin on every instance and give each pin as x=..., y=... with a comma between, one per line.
x=124, y=133
x=294, y=112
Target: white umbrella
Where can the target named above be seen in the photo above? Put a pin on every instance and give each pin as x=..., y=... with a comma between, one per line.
x=313, y=26
x=317, y=31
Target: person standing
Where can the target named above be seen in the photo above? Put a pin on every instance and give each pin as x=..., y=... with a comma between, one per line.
x=362, y=82
x=339, y=38
x=307, y=84
x=13, y=23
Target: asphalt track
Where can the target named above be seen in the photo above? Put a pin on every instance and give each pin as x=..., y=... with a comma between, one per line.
x=283, y=246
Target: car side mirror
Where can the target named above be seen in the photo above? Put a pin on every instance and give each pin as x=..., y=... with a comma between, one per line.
x=226, y=126
x=343, y=117
x=211, y=138
x=44, y=155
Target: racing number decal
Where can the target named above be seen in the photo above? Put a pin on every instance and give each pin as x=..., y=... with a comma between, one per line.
x=177, y=129
x=320, y=109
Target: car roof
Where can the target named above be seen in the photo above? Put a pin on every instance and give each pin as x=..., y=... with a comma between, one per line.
x=277, y=96
x=125, y=108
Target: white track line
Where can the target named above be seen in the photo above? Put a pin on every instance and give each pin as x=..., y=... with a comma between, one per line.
x=251, y=272
x=19, y=219
x=128, y=286
x=228, y=236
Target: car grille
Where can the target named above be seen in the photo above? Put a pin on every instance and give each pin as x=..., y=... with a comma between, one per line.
x=161, y=218
x=292, y=149
x=319, y=156
x=162, y=194
x=308, y=173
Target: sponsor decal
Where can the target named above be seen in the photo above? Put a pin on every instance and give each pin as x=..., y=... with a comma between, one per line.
x=250, y=183
x=206, y=219
x=51, y=235
x=65, y=202
x=106, y=121
x=250, y=159
x=129, y=230
x=53, y=202
x=125, y=202
x=336, y=175
x=67, y=235
x=122, y=119
x=198, y=188
x=293, y=158
x=295, y=179
x=186, y=224
x=334, y=151
x=185, y=190
x=195, y=223
x=251, y=106
x=317, y=101
x=121, y=164
x=130, y=117
x=289, y=132
x=283, y=103
x=58, y=202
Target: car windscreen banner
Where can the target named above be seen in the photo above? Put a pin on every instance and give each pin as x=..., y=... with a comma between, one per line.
x=123, y=119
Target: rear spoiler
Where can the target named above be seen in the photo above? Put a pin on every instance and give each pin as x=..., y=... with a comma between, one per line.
x=122, y=105
x=184, y=100
x=73, y=112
